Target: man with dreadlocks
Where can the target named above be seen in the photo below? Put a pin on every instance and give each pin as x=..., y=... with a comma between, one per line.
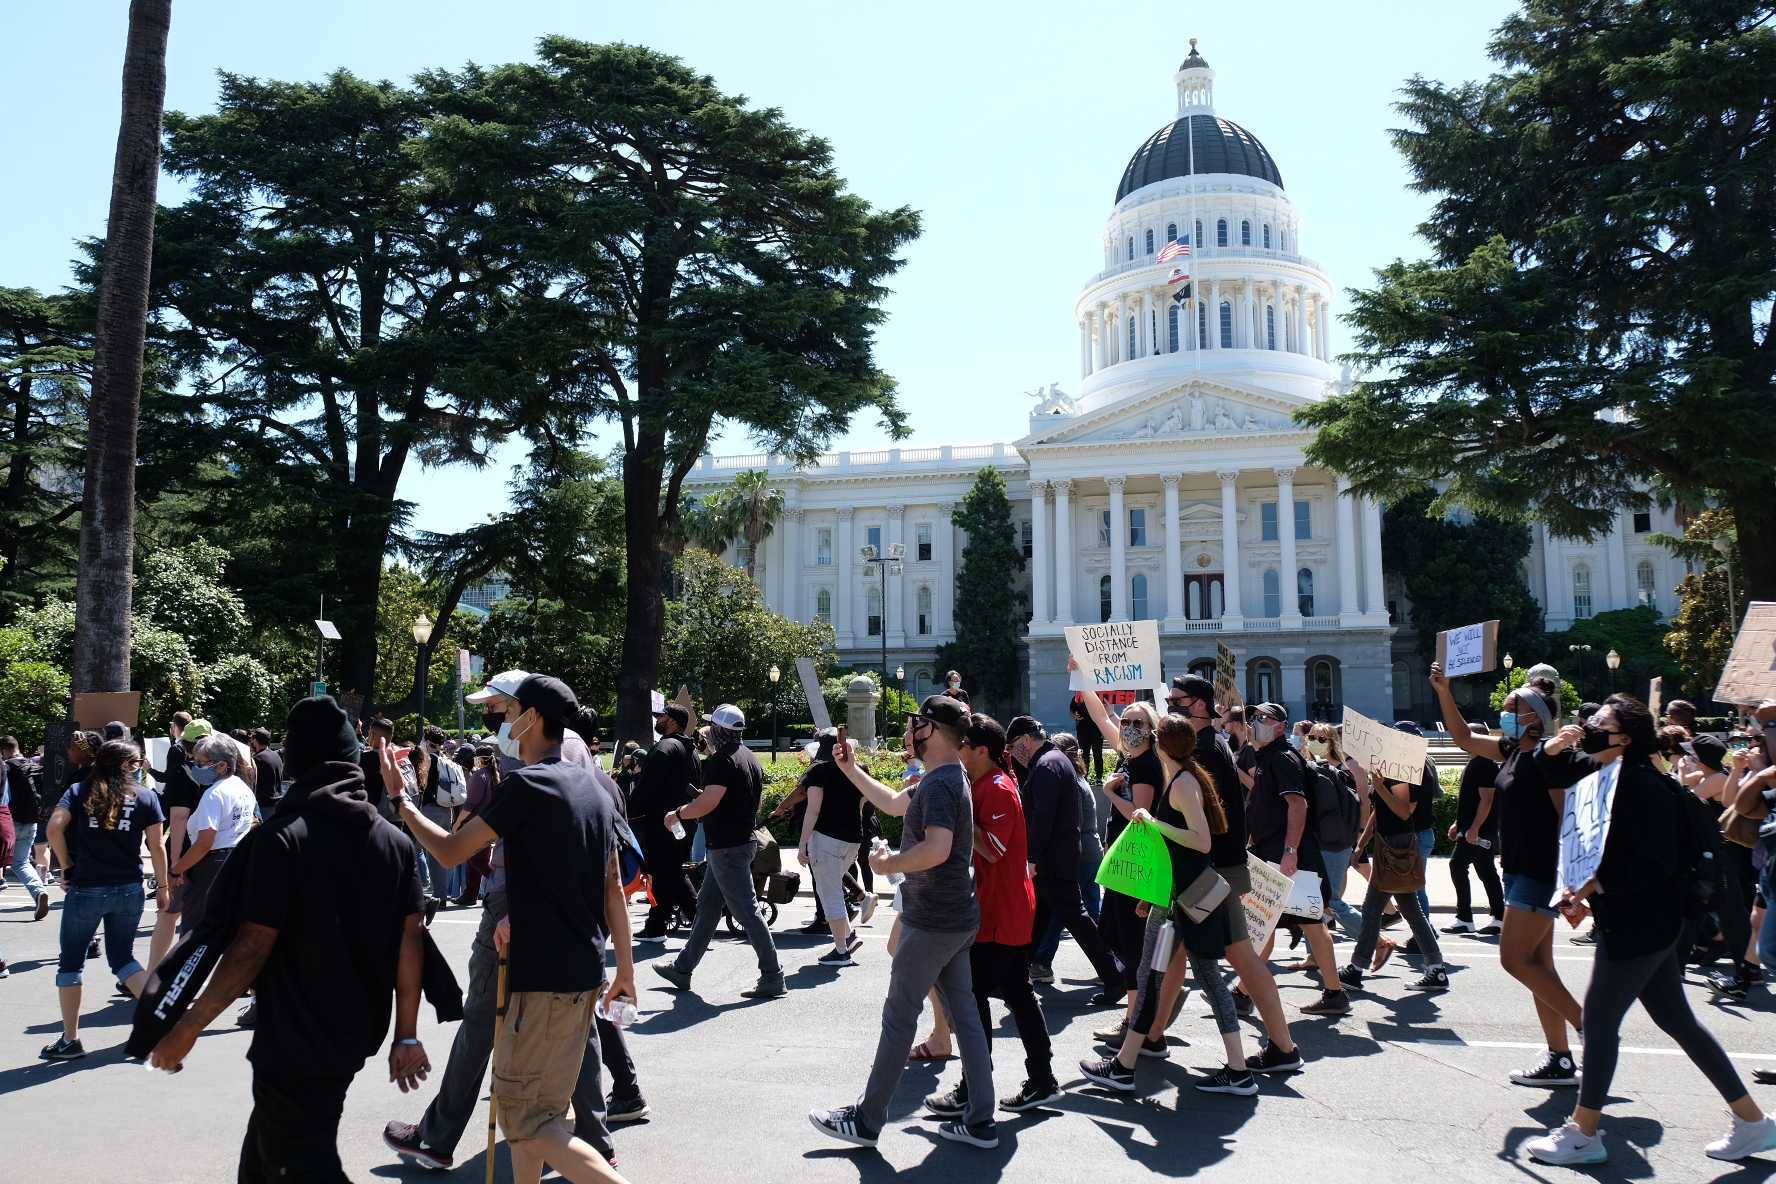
x=728, y=808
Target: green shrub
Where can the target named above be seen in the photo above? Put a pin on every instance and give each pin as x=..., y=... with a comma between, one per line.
x=782, y=774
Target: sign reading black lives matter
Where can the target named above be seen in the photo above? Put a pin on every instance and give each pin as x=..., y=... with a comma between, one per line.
x=1116, y=656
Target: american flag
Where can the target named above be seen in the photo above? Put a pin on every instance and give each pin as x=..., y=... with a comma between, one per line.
x=1174, y=249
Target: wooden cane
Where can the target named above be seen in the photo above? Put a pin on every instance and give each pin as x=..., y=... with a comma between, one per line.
x=499, y=1021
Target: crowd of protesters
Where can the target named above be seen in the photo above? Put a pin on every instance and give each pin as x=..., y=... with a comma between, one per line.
x=313, y=863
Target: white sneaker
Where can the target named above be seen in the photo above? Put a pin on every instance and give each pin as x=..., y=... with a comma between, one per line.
x=1745, y=1139
x=1567, y=1144
x=868, y=909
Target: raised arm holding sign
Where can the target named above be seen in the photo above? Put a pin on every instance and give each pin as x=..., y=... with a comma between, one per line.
x=1116, y=656
x=1472, y=649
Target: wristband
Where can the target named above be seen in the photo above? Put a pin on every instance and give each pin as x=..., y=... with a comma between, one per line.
x=410, y=1040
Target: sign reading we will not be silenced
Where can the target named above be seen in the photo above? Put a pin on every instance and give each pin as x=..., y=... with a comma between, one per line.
x=1396, y=755
x=1115, y=656
x=1472, y=649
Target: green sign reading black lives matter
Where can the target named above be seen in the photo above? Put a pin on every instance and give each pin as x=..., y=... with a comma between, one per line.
x=1138, y=865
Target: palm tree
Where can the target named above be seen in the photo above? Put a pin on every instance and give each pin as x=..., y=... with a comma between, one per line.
x=754, y=507
x=108, y=503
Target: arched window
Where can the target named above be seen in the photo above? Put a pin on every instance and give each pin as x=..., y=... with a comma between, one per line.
x=1150, y=241
x=1304, y=591
x=823, y=604
x=1171, y=232
x=1204, y=668
x=1264, y=680
x=1581, y=592
x=1104, y=599
x=1197, y=241
x=1245, y=232
x=1646, y=584
x=1273, y=594
x=1131, y=352
x=1325, y=689
x=1221, y=232
x=1226, y=325
x=924, y=609
x=1172, y=328
x=1193, y=601
x=873, y=610
x=1202, y=324
x=1131, y=246
x=1270, y=326
x=1138, y=598
x=1267, y=236
x=1153, y=329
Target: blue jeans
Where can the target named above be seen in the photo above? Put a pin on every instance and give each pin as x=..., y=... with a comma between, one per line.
x=23, y=870
x=1427, y=843
x=116, y=906
x=431, y=871
x=1337, y=872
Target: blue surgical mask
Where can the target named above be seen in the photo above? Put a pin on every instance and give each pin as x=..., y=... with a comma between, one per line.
x=1295, y=741
x=205, y=775
x=1510, y=725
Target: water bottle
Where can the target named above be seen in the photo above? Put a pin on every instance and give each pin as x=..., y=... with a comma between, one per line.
x=622, y=1013
x=1485, y=844
x=677, y=827
x=881, y=845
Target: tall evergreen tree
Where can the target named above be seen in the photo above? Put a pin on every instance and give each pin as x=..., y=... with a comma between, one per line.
x=988, y=606
x=1594, y=324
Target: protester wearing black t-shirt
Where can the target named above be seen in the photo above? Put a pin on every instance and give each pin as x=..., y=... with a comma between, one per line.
x=669, y=776
x=1091, y=740
x=728, y=806
x=1475, y=835
x=1393, y=823
x=830, y=836
x=329, y=932
x=268, y=765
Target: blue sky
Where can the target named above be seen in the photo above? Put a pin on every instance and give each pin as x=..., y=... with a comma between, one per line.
x=1006, y=126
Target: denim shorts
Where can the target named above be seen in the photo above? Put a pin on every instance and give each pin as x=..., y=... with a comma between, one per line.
x=1529, y=894
x=117, y=907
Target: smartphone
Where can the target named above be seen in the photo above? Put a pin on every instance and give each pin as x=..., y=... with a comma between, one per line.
x=1738, y=744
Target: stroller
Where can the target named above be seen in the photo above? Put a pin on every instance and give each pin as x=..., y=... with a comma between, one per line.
x=771, y=885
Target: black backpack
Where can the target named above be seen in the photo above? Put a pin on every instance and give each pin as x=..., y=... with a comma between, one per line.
x=1698, y=844
x=1338, y=812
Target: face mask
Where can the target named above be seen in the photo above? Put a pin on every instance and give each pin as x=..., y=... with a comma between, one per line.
x=206, y=776
x=1295, y=742
x=1319, y=748
x=1265, y=733
x=1596, y=740
x=1510, y=725
x=1133, y=735
x=508, y=743
x=492, y=720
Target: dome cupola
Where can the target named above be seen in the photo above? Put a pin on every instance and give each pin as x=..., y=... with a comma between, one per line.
x=1197, y=142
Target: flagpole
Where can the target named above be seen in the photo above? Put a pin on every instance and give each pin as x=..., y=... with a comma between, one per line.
x=1195, y=246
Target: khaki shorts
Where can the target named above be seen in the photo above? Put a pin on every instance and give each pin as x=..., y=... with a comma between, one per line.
x=537, y=1059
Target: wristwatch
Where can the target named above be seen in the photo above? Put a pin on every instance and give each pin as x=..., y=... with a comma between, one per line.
x=1289, y=850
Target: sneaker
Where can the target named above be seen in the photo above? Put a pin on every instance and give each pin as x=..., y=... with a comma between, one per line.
x=1332, y=1003
x=1491, y=929
x=653, y=935
x=1733, y=984
x=5, y=971
x=1389, y=920
x=1109, y=1073
x=1106, y=999
x=946, y=1105
x=42, y=906
x=1242, y=1004
x=814, y=926
x=767, y=988
x=868, y=910
x=92, y=948
x=984, y=1135
x=1113, y=1034
x=1557, y=1069
x=1157, y=1049
x=1229, y=1081
x=837, y=958
x=844, y=1125
x=1033, y=1095
x=249, y=1015
x=1587, y=938
x=63, y=1050
x=1271, y=1059
x=1350, y=976
x=1041, y=974
x=1460, y=927
x=854, y=943
x=1433, y=982
x=1567, y=1144
x=672, y=974
x=1745, y=1139
x=431, y=910
x=403, y=1139
x=620, y=1110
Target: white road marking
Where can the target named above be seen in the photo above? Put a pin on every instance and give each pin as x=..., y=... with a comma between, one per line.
x=1533, y=1046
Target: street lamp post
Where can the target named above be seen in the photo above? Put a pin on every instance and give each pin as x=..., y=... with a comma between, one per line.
x=1509, y=662
x=422, y=638
x=1723, y=546
x=774, y=675
x=1579, y=653
x=1614, y=661
x=888, y=563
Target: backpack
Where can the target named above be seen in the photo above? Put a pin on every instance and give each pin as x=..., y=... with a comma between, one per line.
x=1338, y=813
x=1698, y=845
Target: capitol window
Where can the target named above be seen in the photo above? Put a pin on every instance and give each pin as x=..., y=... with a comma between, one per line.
x=1202, y=323
x=873, y=536
x=1221, y=232
x=1104, y=529
x=1137, y=527
x=1226, y=325
x=1138, y=598
x=823, y=547
x=924, y=610
x=1028, y=536
x=1303, y=520
x=1197, y=241
x=1150, y=242
x=873, y=599
x=1646, y=583
x=1104, y=599
x=1172, y=328
x=922, y=539
x=1581, y=592
x=1131, y=246
x=1267, y=522
x=1273, y=593
x=1267, y=236
x=1171, y=232
x=823, y=605
x=1304, y=592
x=1270, y=326
x=1245, y=233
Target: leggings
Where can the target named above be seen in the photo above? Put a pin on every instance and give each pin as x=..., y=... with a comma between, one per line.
x=1206, y=971
x=1657, y=981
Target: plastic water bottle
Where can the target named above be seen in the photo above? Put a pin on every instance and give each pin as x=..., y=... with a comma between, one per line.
x=622, y=1013
x=881, y=845
x=677, y=827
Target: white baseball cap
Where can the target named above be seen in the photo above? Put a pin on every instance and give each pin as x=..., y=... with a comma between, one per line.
x=504, y=683
x=728, y=716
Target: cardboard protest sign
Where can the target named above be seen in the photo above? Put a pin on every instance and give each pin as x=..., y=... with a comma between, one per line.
x=1396, y=755
x=1115, y=656
x=158, y=746
x=1749, y=677
x=1305, y=897
x=684, y=700
x=1264, y=903
x=1584, y=828
x=1656, y=695
x=811, y=692
x=1472, y=649
x=1227, y=692
x=94, y=709
x=1138, y=865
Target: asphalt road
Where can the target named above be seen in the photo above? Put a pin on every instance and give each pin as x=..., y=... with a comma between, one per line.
x=1407, y=1088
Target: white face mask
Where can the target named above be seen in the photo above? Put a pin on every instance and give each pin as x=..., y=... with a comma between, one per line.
x=507, y=742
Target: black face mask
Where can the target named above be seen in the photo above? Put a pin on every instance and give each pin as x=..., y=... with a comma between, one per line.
x=1596, y=740
x=491, y=720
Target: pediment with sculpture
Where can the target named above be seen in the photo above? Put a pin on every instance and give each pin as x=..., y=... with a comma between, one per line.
x=1195, y=411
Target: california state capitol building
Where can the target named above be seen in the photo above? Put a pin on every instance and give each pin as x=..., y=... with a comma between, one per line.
x=1171, y=482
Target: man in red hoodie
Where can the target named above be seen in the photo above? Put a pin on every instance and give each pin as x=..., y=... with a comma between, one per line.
x=1000, y=957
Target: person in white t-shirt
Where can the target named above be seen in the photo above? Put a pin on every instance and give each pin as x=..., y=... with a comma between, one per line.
x=222, y=818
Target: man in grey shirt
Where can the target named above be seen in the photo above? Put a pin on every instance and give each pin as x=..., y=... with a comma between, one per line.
x=939, y=918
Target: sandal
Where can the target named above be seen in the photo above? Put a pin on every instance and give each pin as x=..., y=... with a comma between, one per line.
x=1384, y=949
x=923, y=1051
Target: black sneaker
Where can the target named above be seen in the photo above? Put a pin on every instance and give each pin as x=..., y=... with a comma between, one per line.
x=1330, y=1003
x=1033, y=1095
x=1109, y=1073
x=816, y=926
x=92, y=948
x=1733, y=984
x=1491, y=929
x=1587, y=938
x=620, y=1110
x=984, y=1135
x=403, y=1139
x=431, y=910
x=844, y=1125
x=249, y=1015
x=1556, y=1070
x=1433, y=981
x=1157, y=1049
x=1106, y=999
x=854, y=943
x=1242, y=1004
x=674, y=975
x=1389, y=920
x=1271, y=1059
x=947, y=1105
x=1460, y=926
x=63, y=1050
x=1350, y=976
x=767, y=988
x=837, y=958
x=42, y=907
x=1229, y=1081
x=651, y=935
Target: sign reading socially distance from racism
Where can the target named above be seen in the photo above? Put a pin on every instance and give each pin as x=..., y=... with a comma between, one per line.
x=1584, y=828
x=1749, y=677
x=1227, y=692
x=811, y=691
x=1472, y=649
x=1264, y=903
x=1396, y=755
x=1115, y=656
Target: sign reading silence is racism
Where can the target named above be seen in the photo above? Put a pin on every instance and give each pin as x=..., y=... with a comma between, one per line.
x=1396, y=755
x=1115, y=656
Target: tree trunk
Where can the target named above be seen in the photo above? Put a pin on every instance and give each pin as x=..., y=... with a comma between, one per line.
x=108, y=507
x=1754, y=514
x=360, y=591
x=644, y=619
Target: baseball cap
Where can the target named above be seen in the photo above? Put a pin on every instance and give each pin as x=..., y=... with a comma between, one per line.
x=678, y=712
x=1195, y=686
x=506, y=682
x=551, y=698
x=1409, y=726
x=1273, y=711
x=1024, y=725
x=196, y=730
x=941, y=709
x=728, y=716
x=1710, y=749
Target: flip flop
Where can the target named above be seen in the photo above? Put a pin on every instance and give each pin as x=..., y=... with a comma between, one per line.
x=922, y=1052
